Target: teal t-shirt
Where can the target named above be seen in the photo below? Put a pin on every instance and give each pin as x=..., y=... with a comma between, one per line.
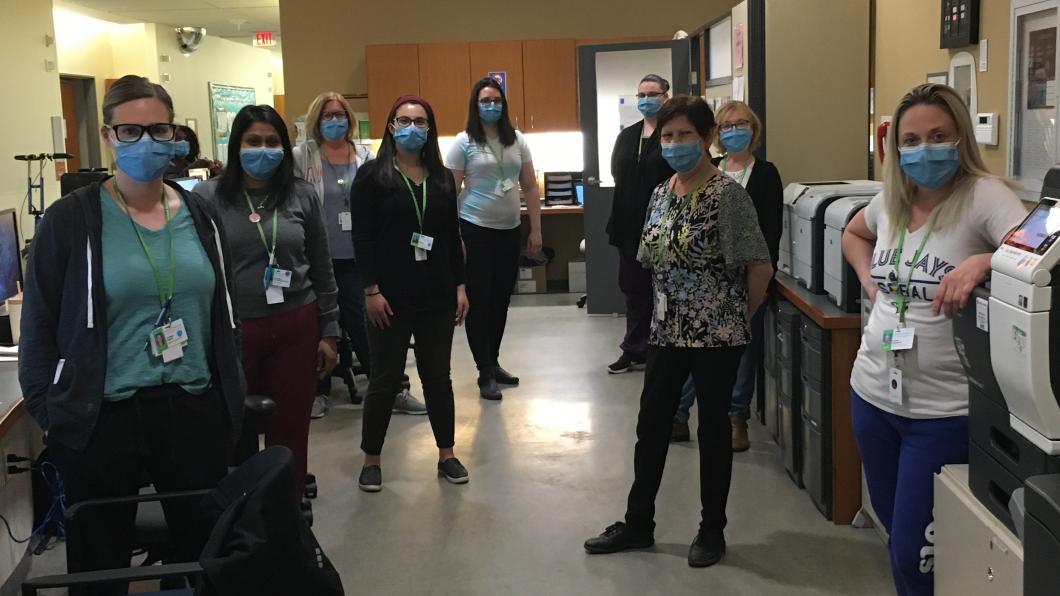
x=133, y=306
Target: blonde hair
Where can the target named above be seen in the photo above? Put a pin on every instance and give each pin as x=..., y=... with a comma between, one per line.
x=312, y=117
x=726, y=110
x=900, y=190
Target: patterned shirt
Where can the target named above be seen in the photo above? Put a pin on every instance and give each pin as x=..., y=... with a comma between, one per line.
x=698, y=247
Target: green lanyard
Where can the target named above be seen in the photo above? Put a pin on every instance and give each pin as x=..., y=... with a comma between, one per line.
x=743, y=173
x=900, y=299
x=421, y=212
x=165, y=297
x=499, y=158
x=275, y=217
x=666, y=224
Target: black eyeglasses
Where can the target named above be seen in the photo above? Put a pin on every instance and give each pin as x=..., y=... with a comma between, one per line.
x=491, y=101
x=727, y=126
x=130, y=133
x=651, y=94
x=326, y=116
x=403, y=121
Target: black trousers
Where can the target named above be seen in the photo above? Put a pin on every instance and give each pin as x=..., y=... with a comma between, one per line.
x=176, y=441
x=389, y=350
x=492, y=270
x=714, y=373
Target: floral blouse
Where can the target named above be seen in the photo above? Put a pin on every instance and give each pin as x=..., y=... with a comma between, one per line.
x=698, y=247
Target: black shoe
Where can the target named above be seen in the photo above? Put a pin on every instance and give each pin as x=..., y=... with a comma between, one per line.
x=453, y=471
x=618, y=537
x=706, y=550
x=680, y=432
x=487, y=386
x=504, y=377
x=625, y=363
x=371, y=480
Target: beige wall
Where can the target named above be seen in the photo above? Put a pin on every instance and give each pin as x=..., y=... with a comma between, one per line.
x=907, y=49
x=817, y=87
x=324, y=40
x=31, y=99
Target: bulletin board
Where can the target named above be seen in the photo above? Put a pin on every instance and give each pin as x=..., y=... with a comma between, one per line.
x=225, y=103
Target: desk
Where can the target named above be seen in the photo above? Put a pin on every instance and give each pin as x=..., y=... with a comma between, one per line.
x=19, y=435
x=845, y=334
x=562, y=234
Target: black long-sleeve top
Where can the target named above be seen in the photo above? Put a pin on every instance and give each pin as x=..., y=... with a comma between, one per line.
x=636, y=176
x=767, y=193
x=384, y=220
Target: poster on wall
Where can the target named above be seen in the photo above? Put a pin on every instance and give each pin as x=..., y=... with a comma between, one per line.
x=225, y=103
x=737, y=46
x=501, y=77
x=1041, y=69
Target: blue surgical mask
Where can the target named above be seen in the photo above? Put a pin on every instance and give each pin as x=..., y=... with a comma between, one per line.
x=145, y=160
x=682, y=157
x=736, y=140
x=410, y=138
x=181, y=149
x=334, y=130
x=930, y=165
x=490, y=113
x=649, y=106
x=261, y=162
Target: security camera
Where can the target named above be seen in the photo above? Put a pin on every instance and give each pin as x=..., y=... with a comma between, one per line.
x=188, y=38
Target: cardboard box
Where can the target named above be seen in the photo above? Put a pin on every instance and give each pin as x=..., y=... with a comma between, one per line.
x=576, y=277
x=537, y=283
x=526, y=273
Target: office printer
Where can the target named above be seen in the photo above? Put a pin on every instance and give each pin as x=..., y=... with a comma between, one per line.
x=840, y=281
x=804, y=209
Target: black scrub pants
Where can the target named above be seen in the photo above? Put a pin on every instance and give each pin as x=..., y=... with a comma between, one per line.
x=492, y=270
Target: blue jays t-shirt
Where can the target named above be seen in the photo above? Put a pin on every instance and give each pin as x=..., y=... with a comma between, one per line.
x=484, y=200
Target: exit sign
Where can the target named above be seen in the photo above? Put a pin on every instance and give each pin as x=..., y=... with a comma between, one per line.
x=264, y=39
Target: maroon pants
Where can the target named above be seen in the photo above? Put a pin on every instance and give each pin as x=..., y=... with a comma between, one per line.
x=280, y=361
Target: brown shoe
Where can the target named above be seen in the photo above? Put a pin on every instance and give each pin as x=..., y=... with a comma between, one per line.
x=680, y=433
x=740, y=442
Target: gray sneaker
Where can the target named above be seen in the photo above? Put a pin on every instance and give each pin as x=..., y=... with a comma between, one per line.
x=406, y=403
x=321, y=405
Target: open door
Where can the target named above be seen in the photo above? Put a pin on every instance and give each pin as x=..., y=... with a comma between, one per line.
x=607, y=83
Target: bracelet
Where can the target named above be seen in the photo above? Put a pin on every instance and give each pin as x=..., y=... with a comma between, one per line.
x=372, y=294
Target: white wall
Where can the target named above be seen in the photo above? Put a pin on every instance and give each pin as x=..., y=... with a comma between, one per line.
x=215, y=61
x=29, y=101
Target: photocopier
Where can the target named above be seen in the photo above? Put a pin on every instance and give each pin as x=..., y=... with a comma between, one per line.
x=802, y=234
x=1005, y=336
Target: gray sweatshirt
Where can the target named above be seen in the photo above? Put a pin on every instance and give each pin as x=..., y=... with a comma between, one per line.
x=301, y=247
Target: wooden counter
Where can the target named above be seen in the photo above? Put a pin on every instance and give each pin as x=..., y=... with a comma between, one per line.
x=557, y=210
x=845, y=333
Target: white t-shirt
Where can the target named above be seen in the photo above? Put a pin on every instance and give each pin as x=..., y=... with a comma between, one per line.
x=934, y=384
x=484, y=202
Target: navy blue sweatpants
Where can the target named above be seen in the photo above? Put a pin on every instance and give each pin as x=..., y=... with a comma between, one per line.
x=901, y=456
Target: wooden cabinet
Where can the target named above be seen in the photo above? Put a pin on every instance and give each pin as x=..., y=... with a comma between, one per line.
x=445, y=83
x=393, y=71
x=550, y=91
x=507, y=57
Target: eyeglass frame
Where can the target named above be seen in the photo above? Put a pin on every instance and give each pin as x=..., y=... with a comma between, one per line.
x=143, y=129
x=411, y=121
x=651, y=94
x=491, y=100
x=329, y=116
x=727, y=126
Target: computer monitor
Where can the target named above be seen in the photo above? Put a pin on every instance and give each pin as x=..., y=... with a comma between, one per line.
x=10, y=255
x=187, y=184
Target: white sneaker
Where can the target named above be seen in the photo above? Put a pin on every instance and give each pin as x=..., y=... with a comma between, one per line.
x=406, y=403
x=321, y=405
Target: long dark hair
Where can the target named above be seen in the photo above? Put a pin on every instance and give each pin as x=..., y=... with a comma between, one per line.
x=474, y=123
x=385, y=172
x=230, y=188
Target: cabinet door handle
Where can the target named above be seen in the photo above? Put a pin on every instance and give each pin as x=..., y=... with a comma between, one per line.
x=531, y=121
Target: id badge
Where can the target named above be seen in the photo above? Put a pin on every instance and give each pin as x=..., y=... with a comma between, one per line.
x=345, y=221
x=894, y=388
x=274, y=295
x=157, y=340
x=421, y=254
x=660, y=306
x=176, y=334
x=507, y=185
x=422, y=241
x=281, y=278
x=173, y=353
x=903, y=339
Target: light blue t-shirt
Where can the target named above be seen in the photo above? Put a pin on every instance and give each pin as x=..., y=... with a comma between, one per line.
x=483, y=202
x=133, y=303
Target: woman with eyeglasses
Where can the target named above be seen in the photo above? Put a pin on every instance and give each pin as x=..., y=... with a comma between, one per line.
x=187, y=156
x=920, y=248
x=129, y=343
x=408, y=252
x=284, y=283
x=637, y=165
x=492, y=161
x=739, y=134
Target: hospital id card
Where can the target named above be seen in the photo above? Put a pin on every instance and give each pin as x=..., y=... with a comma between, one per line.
x=422, y=241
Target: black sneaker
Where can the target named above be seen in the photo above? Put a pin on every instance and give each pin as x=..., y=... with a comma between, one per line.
x=706, y=550
x=453, y=471
x=504, y=377
x=618, y=537
x=371, y=480
x=487, y=386
x=625, y=363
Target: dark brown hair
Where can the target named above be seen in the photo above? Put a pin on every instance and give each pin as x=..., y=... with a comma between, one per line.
x=692, y=107
x=129, y=88
x=474, y=129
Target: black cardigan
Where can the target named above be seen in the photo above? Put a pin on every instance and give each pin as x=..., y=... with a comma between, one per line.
x=64, y=317
x=767, y=193
x=383, y=222
x=635, y=181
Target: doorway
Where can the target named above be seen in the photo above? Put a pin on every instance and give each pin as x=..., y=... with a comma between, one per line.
x=81, y=122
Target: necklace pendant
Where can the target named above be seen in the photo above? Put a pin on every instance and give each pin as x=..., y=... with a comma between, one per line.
x=254, y=218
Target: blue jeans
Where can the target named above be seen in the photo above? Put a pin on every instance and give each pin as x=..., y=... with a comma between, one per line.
x=744, y=389
x=901, y=456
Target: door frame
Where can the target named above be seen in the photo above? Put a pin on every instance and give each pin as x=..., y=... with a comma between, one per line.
x=90, y=155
